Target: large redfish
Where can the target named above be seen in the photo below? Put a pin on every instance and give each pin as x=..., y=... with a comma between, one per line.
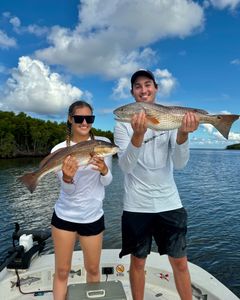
x=160, y=117
x=83, y=152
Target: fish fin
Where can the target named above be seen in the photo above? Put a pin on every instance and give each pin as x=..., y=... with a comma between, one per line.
x=200, y=111
x=224, y=123
x=152, y=118
x=92, y=153
x=30, y=180
x=195, y=110
x=48, y=157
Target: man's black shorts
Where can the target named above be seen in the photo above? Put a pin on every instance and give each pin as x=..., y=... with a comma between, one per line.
x=167, y=228
x=83, y=229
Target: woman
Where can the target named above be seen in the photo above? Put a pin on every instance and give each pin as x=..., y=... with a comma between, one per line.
x=78, y=211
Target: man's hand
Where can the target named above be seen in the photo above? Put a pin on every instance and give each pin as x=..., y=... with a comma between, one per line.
x=139, y=126
x=190, y=123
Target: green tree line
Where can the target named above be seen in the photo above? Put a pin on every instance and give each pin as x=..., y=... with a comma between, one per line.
x=233, y=147
x=22, y=135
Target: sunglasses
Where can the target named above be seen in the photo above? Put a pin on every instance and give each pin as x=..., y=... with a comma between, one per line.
x=80, y=119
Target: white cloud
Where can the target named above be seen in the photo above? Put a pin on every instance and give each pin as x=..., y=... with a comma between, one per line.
x=33, y=88
x=36, y=30
x=20, y=29
x=166, y=83
x=225, y=112
x=15, y=21
x=3, y=69
x=113, y=36
x=235, y=61
x=222, y=4
x=214, y=141
x=5, y=41
x=235, y=137
x=105, y=111
x=209, y=128
x=121, y=91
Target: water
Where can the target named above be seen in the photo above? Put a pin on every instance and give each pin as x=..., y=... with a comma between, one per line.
x=209, y=188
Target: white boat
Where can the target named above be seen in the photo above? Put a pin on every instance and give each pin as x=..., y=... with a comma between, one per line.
x=35, y=281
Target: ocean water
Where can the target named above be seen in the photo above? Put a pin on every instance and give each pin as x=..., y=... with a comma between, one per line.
x=209, y=187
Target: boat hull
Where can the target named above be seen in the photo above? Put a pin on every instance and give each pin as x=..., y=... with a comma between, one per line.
x=159, y=278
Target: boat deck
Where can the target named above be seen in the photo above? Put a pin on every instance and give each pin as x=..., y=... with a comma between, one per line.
x=159, y=278
x=151, y=293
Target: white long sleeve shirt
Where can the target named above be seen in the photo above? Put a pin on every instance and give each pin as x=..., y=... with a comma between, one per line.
x=149, y=185
x=81, y=202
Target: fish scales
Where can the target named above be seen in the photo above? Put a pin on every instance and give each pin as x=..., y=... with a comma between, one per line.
x=83, y=152
x=160, y=117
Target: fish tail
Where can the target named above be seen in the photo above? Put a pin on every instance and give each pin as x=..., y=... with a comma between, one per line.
x=224, y=123
x=30, y=180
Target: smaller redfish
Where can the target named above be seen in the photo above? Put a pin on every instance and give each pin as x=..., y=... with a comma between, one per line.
x=83, y=152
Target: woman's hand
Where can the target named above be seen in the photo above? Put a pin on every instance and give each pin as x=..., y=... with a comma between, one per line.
x=69, y=168
x=99, y=165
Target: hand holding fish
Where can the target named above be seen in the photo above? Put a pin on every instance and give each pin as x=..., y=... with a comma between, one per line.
x=189, y=124
x=69, y=168
x=139, y=126
x=99, y=165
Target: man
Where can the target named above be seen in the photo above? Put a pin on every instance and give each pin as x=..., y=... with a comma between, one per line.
x=152, y=207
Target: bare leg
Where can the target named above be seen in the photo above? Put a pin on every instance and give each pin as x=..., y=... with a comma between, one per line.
x=137, y=277
x=182, y=277
x=64, y=242
x=91, y=247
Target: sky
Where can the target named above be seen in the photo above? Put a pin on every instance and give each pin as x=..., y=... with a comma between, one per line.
x=55, y=52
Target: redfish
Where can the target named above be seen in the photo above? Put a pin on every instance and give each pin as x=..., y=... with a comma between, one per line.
x=83, y=152
x=160, y=117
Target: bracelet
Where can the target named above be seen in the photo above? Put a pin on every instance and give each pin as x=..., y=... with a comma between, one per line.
x=69, y=181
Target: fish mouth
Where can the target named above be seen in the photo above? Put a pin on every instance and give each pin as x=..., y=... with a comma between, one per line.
x=115, y=149
x=107, y=151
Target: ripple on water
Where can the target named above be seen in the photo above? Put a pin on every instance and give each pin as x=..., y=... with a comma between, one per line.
x=209, y=188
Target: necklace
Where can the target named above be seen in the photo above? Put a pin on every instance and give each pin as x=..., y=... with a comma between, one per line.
x=153, y=137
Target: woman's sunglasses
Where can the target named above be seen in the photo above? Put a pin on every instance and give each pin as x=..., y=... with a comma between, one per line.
x=80, y=119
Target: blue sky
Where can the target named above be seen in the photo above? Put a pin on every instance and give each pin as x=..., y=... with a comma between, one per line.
x=53, y=52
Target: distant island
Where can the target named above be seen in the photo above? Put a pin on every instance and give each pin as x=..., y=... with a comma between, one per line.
x=233, y=147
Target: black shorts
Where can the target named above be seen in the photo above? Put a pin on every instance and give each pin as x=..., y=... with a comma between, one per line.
x=167, y=228
x=87, y=229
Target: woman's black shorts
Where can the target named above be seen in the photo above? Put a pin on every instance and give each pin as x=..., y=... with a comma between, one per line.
x=87, y=229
